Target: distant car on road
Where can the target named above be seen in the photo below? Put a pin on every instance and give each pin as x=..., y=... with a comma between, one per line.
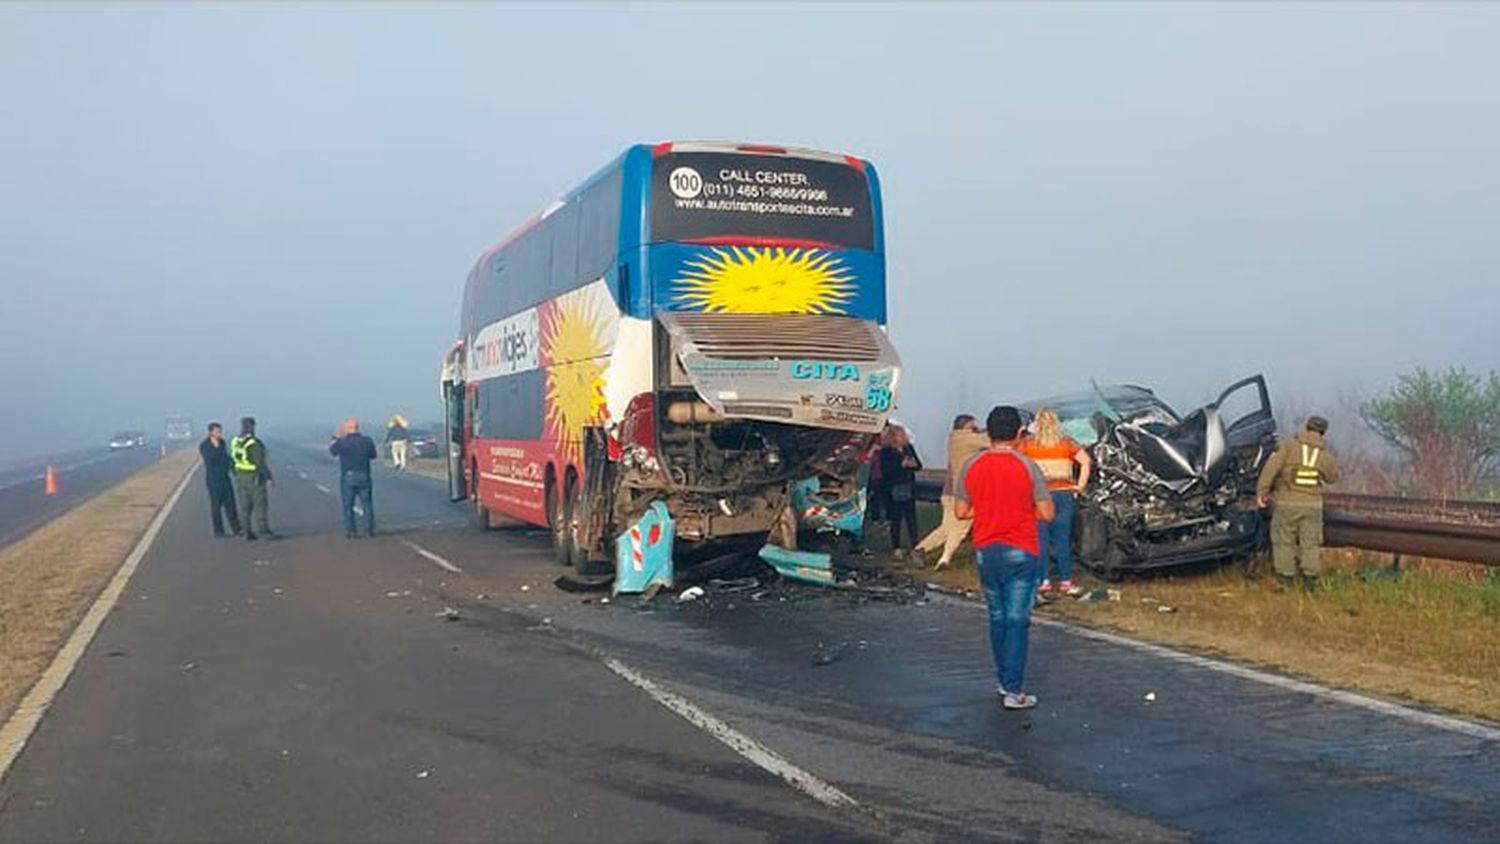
x=423, y=443
x=127, y=439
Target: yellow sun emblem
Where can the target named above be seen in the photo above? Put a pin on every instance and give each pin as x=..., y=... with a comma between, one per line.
x=766, y=281
x=576, y=344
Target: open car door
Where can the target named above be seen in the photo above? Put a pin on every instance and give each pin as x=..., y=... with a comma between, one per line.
x=1246, y=408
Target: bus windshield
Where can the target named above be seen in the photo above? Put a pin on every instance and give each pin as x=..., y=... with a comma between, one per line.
x=728, y=197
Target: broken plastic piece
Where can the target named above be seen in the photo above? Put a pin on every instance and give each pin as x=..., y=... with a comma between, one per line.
x=643, y=553
x=1150, y=697
x=807, y=566
x=692, y=593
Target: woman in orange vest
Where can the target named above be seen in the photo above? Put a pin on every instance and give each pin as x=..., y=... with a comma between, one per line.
x=1057, y=454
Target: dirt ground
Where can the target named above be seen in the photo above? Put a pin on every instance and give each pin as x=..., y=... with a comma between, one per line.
x=49, y=578
x=1430, y=634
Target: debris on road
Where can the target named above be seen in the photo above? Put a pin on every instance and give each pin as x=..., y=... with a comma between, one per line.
x=448, y=613
x=1101, y=595
x=422, y=775
x=692, y=593
x=189, y=666
x=570, y=583
x=526, y=587
x=830, y=654
x=1163, y=608
x=807, y=566
x=1150, y=697
x=738, y=584
x=393, y=594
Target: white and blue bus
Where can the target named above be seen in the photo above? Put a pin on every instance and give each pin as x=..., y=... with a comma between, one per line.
x=700, y=324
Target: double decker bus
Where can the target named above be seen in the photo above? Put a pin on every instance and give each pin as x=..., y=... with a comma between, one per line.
x=700, y=324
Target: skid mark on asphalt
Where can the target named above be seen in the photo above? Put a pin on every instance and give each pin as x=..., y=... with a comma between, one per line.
x=433, y=558
x=733, y=739
x=1384, y=707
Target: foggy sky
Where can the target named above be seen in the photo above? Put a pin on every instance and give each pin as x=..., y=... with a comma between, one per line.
x=271, y=209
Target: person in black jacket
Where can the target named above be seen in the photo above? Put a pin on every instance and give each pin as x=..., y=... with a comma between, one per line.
x=355, y=451
x=898, y=471
x=216, y=467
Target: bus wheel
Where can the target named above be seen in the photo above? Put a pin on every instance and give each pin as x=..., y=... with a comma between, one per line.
x=578, y=551
x=557, y=519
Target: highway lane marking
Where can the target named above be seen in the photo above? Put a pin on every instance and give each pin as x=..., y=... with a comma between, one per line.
x=437, y=560
x=733, y=739
x=23, y=722
x=1449, y=723
x=1384, y=707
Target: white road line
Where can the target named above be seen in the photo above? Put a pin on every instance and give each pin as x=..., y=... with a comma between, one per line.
x=1384, y=707
x=23, y=722
x=323, y=489
x=1451, y=723
x=438, y=561
x=735, y=740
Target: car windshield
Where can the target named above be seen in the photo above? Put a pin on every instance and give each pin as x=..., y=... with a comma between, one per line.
x=1118, y=402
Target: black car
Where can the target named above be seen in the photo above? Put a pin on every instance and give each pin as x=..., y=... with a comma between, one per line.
x=422, y=443
x=1168, y=489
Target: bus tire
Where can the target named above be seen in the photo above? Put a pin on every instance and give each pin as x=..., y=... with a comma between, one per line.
x=572, y=506
x=557, y=519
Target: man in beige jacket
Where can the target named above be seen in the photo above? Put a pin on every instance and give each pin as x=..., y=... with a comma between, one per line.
x=964, y=441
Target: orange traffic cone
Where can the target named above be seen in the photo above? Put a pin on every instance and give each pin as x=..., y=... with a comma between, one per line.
x=51, y=480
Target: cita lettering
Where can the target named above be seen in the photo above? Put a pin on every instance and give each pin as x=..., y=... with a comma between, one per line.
x=813, y=370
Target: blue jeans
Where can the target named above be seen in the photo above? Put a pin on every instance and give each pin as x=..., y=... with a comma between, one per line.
x=1009, y=577
x=1057, y=535
x=354, y=485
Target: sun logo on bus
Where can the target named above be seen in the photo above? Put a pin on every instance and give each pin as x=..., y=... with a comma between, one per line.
x=575, y=345
x=756, y=280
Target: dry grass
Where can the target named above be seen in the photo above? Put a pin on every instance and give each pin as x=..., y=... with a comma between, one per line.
x=49, y=578
x=1432, y=635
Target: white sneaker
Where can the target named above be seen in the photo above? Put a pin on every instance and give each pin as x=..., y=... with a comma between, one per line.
x=1018, y=700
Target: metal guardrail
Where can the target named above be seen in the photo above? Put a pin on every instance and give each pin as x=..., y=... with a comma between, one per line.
x=1443, y=529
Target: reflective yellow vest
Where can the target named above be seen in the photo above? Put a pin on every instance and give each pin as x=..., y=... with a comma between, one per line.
x=1307, y=474
x=239, y=452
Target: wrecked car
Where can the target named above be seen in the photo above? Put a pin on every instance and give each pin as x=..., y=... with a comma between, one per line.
x=1167, y=489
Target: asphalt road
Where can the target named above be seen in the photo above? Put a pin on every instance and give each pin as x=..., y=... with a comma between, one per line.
x=313, y=689
x=24, y=504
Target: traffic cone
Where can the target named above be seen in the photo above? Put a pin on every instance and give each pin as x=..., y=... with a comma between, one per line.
x=51, y=480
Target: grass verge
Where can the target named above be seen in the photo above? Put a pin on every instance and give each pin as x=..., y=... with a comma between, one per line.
x=49, y=578
x=1431, y=635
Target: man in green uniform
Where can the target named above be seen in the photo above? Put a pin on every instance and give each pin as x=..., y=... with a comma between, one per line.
x=1294, y=477
x=251, y=479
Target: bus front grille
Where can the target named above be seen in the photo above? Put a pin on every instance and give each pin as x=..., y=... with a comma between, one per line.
x=784, y=336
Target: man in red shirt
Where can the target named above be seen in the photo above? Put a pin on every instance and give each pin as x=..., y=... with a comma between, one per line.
x=1005, y=493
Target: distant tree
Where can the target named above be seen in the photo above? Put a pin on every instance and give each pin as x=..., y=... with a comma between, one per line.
x=1447, y=423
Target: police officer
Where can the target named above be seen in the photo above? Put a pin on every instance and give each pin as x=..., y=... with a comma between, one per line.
x=251, y=479
x=1295, y=477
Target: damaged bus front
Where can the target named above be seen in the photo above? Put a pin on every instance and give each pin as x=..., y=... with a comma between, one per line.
x=700, y=327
